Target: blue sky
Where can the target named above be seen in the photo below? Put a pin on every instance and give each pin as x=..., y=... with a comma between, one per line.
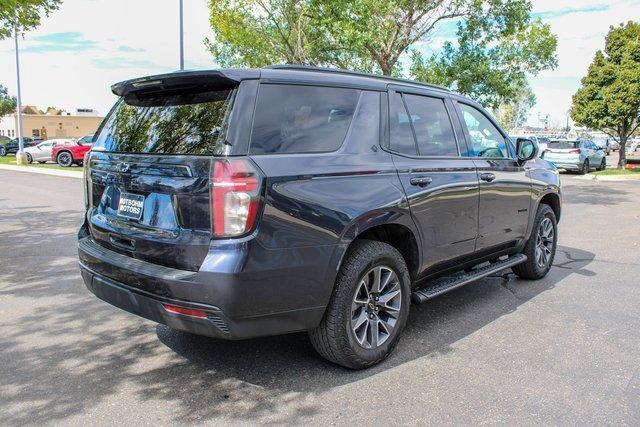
x=77, y=53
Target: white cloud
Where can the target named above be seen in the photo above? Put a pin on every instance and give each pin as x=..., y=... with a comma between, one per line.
x=581, y=27
x=127, y=39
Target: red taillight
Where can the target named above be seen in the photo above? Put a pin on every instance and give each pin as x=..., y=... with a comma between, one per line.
x=574, y=151
x=193, y=312
x=235, y=197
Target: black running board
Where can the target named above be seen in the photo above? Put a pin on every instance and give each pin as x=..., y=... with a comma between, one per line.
x=449, y=283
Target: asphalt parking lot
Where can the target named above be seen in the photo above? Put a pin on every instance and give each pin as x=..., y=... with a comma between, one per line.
x=562, y=350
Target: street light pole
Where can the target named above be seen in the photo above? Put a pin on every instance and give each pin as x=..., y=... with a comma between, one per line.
x=181, y=39
x=20, y=154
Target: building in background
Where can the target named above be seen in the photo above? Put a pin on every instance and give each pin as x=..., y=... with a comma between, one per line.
x=52, y=124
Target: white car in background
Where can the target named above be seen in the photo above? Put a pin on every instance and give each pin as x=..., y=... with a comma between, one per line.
x=540, y=141
x=41, y=153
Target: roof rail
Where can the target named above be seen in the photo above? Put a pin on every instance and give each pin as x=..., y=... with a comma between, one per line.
x=298, y=67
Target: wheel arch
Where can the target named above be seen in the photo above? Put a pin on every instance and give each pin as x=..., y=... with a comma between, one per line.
x=553, y=201
x=395, y=228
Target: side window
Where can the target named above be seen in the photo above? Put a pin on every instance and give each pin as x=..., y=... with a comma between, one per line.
x=301, y=119
x=486, y=139
x=400, y=133
x=432, y=126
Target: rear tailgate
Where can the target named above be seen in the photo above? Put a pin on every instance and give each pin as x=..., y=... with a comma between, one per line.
x=151, y=207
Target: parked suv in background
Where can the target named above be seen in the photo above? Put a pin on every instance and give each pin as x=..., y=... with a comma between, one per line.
x=13, y=145
x=71, y=152
x=239, y=203
x=578, y=155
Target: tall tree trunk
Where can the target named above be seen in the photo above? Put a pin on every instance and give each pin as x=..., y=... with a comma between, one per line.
x=622, y=161
x=386, y=68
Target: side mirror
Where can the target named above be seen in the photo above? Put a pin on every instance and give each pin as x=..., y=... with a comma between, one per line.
x=526, y=149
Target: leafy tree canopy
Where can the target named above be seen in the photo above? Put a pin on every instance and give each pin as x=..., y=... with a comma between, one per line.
x=498, y=43
x=7, y=103
x=515, y=112
x=609, y=98
x=23, y=14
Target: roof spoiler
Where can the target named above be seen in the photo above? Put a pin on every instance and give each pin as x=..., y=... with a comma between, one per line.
x=211, y=78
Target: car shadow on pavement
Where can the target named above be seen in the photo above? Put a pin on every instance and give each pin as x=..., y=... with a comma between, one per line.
x=273, y=366
x=64, y=353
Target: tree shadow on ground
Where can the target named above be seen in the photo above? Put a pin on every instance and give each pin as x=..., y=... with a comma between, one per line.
x=63, y=352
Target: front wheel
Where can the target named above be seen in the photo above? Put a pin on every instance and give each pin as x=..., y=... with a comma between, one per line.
x=64, y=159
x=603, y=164
x=3, y=151
x=368, y=308
x=29, y=158
x=541, y=246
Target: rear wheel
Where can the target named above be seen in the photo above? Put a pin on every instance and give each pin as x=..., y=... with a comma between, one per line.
x=541, y=247
x=368, y=308
x=584, y=169
x=3, y=151
x=64, y=159
x=29, y=158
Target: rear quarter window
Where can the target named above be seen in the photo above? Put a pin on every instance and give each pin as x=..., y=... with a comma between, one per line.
x=301, y=119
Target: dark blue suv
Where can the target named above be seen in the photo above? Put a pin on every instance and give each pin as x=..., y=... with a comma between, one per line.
x=238, y=203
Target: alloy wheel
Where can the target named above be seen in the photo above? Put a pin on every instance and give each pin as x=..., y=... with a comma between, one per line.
x=65, y=159
x=544, y=242
x=375, y=310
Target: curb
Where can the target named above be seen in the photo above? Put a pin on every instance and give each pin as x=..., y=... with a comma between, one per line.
x=52, y=172
x=590, y=177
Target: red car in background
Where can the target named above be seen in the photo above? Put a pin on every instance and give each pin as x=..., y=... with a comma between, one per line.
x=67, y=154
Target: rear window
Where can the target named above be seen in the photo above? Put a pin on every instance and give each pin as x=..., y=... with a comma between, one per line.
x=564, y=144
x=301, y=119
x=174, y=123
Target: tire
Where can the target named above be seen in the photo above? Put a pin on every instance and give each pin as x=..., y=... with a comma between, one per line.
x=29, y=158
x=64, y=159
x=532, y=269
x=584, y=169
x=338, y=338
x=603, y=164
x=3, y=151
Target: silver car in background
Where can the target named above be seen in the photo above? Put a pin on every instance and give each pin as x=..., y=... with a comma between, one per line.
x=41, y=153
x=575, y=155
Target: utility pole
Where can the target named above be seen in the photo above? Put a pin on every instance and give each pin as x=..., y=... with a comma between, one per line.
x=181, y=38
x=20, y=157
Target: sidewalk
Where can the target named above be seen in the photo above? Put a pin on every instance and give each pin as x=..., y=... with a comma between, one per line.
x=43, y=171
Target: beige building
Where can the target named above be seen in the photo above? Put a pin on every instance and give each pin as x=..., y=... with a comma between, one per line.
x=52, y=124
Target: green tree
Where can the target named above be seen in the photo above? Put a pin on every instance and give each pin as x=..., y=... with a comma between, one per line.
x=23, y=14
x=497, y=47
x=609, y=98
x=498, y=42
x=514, y=113
x=256, y=33
x=7, y=103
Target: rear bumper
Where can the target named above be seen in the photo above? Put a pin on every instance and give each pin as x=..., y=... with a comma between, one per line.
x=238, y=305
x=565, y=165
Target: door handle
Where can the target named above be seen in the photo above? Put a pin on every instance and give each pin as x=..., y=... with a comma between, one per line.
x=420, y=181
x=487, y=176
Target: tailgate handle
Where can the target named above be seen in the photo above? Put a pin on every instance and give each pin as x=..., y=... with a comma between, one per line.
x=122, y=243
